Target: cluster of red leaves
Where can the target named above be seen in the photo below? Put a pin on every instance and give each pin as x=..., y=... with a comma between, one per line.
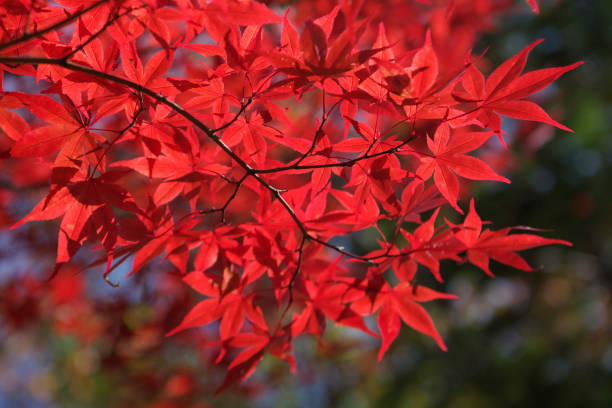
x=238, y=146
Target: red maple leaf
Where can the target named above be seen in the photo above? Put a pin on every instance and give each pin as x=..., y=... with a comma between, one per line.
x=484, y=244
x=448, y=160
x=505, y=89
x=402, y=302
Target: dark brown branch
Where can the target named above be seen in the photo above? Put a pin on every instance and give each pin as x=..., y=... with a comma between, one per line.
x=348, y=163
x=228, y=201
x=276, y=193
x=118, y=137
x=111, y=284
x=318, y=133
x=315, y=139
x=146, y=91
x=95, y=35
x=38, y=33
x=294, y=275
x=235, y=118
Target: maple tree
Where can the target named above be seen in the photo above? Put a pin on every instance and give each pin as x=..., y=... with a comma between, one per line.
x=242, y=146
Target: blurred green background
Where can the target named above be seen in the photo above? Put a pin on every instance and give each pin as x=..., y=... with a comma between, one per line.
x=520, y=340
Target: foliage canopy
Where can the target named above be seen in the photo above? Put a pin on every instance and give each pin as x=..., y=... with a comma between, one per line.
x=244, y=147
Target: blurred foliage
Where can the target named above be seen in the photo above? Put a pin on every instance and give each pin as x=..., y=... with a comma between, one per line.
x=521, y=340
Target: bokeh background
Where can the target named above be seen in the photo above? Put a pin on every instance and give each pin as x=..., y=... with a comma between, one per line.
x=520, y=340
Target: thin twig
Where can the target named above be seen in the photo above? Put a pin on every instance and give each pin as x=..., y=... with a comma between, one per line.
x=38, y=33
x=99, y=32
x=231, y=122
x=294, y=275
x=228, y=201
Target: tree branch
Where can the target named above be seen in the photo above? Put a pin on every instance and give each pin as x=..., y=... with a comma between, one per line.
x=38, y=33
x=276, y=193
